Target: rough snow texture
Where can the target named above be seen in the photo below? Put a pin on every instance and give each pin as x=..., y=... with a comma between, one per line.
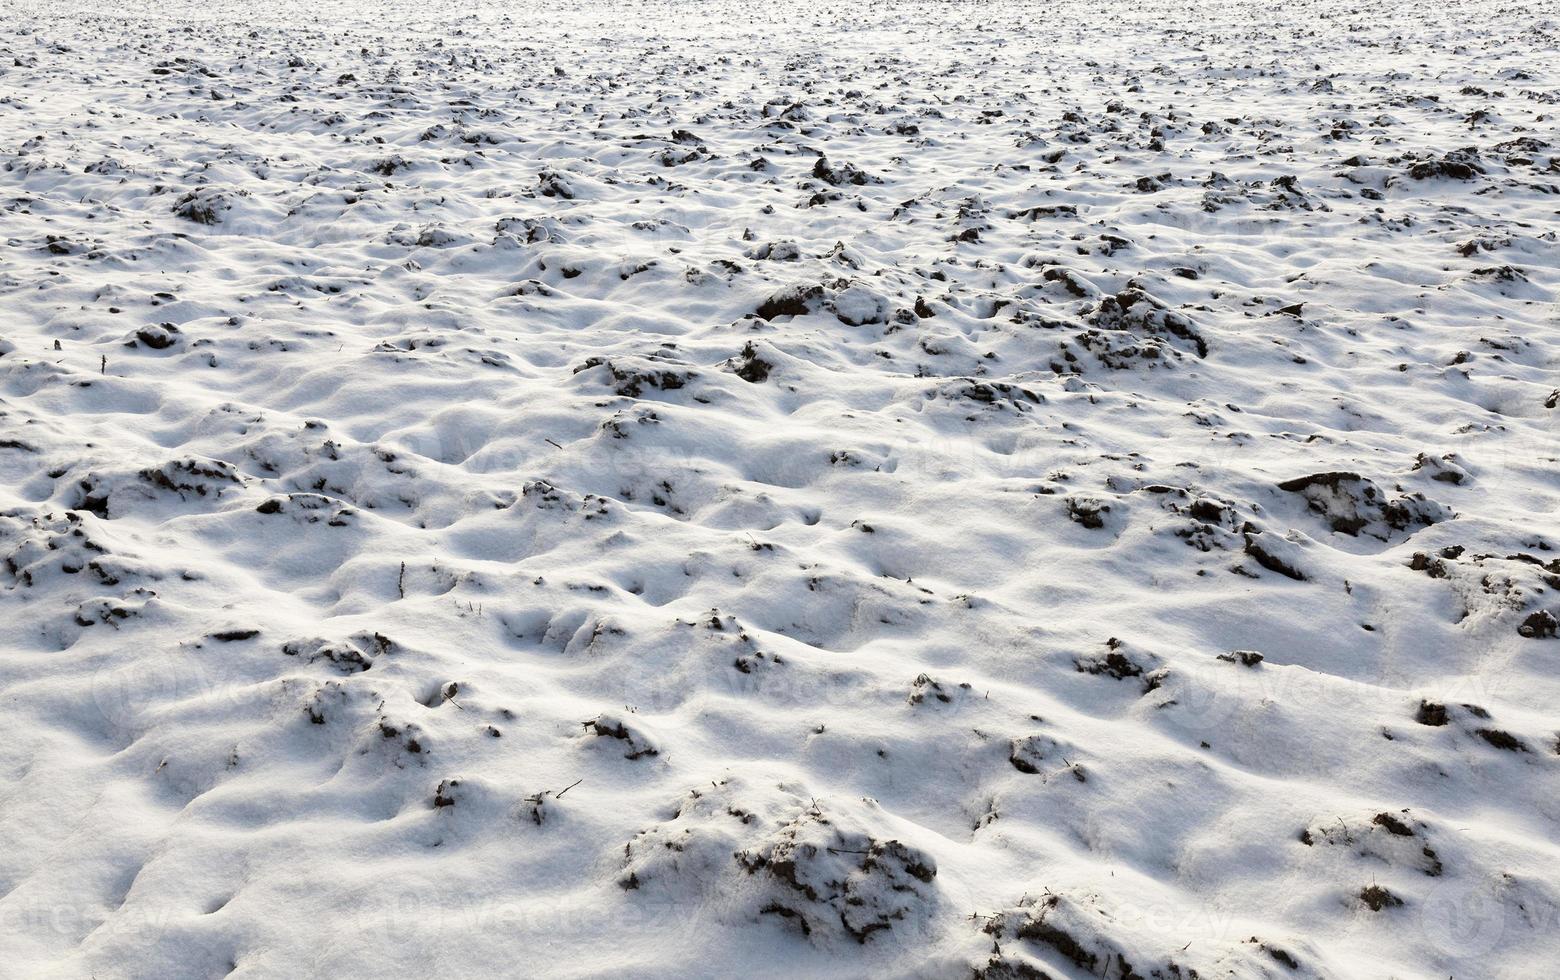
x=694, y=489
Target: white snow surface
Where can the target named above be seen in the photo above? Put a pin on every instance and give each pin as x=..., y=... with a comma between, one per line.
x=723, y=489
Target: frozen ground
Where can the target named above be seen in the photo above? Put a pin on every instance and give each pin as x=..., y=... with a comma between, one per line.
x=693, y=489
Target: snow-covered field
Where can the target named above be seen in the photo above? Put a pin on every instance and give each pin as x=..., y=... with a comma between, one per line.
x=710, y=489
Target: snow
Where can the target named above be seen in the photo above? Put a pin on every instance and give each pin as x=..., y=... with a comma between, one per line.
x=711, y=489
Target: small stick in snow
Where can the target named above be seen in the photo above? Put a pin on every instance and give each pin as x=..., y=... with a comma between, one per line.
x=550, y=442
x=401, y=582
